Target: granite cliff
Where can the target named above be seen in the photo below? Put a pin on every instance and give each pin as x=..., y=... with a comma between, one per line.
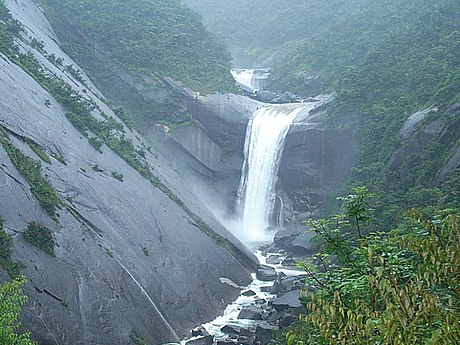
x=134, y=257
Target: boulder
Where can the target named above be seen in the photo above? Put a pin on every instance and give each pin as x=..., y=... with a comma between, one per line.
x=451, y=164
x=288, y=284
x=231, y=329
x=265, y=288
x=226, y=342
x=266, y=273
x=302, y=244
x=199, y=331
x=202, y=340
x=248, y=293
x=420, y=131
x=264, y=333
x=260, y=301
x=295, y=239
x=289, y=300
x=286, y=97
x=265, y=96
x=245, y=340
x=250, y=313
x=273, y=260
x=283, y=238
x=411, y=123
x=289, y=261
x=287, y=319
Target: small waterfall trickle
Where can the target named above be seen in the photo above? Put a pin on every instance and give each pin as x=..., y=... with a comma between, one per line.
x=265, y=136
x=244, y=77
x=254, y=79
x=280, y=213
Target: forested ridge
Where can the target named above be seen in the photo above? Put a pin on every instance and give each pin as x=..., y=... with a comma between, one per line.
x=155, y=37
x=127, y=48
x=383, y=60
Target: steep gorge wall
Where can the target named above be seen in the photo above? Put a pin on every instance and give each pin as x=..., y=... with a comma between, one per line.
x=129, y=257
x=316, y=162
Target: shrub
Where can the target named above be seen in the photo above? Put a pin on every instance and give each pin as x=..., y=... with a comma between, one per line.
x=11, y=302
x=399, y=287
x=6, y=250
x=39, y=152
x=41, y=237
x=31, y=171
x=118, y=176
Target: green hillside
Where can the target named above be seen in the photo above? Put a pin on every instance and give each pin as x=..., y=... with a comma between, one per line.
x=128, y=47
x=383, y=61
x=155, y=37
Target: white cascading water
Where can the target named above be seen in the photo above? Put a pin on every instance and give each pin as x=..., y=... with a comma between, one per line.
x=265, y=136
x=244, y=77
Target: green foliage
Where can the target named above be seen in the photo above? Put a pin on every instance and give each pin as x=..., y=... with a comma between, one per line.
x=227, y=152
x=356, y=207
x=157, y=38
x=254, y=30
x=399, y=287
x=31, y=171
x=11, y=302
x=59, y=158
x=9, y=28
x=124, y=116
x=6, y=250
x=383, y=60
x=41, y=237
x=118, y=176
x=39, y=152
x=150, y=39
x=96, y=143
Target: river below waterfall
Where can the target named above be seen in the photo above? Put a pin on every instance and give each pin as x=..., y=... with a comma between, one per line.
x=272, y=299
x=259, y=293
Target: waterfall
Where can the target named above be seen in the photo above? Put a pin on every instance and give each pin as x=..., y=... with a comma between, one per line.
x=244, y=77
x=265, y=136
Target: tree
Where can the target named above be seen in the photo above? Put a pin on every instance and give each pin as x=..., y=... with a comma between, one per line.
x=11, y=302
x=398, y=287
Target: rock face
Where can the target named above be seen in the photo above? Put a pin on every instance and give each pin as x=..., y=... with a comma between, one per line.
x=424, y=132
x=315, y=160
x=130, y=261
x=208, y=152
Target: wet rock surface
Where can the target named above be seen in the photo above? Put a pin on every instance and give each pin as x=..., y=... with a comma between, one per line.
x=420, y=131
x=268, y=305
x=209, y=151
x=266, y=273
x=125, y=248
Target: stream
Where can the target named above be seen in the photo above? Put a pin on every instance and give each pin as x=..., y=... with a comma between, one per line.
x=272, y=299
